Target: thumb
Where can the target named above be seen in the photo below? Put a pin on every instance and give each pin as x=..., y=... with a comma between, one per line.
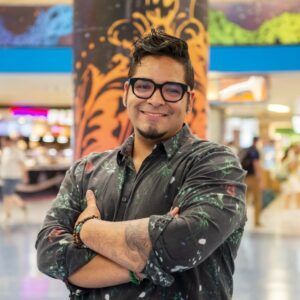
x=90, y=198
x=174, y=211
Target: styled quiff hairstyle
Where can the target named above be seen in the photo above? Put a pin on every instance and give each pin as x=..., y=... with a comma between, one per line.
x=158, y=43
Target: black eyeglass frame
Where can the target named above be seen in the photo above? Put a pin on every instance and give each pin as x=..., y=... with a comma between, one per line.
x=185, y=88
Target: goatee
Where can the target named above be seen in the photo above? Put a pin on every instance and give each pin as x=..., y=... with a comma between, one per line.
x=151, y=134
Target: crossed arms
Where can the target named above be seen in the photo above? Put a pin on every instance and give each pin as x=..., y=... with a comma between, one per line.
x=210, y=210
x=121, y=246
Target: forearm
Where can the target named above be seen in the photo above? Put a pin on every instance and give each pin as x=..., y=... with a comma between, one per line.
x=126, y=243
x=98, y=273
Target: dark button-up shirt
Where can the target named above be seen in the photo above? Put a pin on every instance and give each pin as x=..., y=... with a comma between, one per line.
x=192, y=256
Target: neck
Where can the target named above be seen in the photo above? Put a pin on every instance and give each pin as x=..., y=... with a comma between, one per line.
x=142, y=147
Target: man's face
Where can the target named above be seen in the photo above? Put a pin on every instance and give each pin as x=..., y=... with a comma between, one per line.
x=155, y=119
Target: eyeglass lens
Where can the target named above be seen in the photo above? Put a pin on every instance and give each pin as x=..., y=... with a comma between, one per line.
x=170, y=91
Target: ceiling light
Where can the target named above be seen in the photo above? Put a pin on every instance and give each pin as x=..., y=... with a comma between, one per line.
x=62, y=139
x=48, y=138
x=279, y=108
x=34, y=138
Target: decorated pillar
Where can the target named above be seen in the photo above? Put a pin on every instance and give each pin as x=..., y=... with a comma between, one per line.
x=104, y=31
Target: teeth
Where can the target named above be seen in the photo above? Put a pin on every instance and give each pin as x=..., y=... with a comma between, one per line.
x=153, y=114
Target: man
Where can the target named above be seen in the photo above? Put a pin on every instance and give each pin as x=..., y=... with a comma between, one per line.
x=254, y=180
x=12, y=172
x=163, y=214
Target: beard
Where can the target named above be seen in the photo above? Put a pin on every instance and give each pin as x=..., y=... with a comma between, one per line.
x=151, y=134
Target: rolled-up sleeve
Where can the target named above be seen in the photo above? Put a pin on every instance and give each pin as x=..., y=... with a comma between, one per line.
x=56, y=254
x=212, y=207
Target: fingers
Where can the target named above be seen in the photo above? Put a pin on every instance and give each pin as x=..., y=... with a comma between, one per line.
x=90, y=198
x=174, y=212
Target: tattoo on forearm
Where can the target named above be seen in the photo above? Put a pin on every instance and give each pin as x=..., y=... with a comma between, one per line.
x=137, y=239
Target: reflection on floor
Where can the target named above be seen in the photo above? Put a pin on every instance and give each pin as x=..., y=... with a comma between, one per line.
x=267, y=267
x=268, y=262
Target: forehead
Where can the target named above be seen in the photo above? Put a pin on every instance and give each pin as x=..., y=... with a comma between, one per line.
x=160, y=69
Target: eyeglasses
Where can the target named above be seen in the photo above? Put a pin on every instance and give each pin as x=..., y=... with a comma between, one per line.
x=170, y=91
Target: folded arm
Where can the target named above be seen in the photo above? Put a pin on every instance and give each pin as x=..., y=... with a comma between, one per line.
x=99, y=272
x=212, y=208
x=212, y=211
x=57, y=256
x=126, y=243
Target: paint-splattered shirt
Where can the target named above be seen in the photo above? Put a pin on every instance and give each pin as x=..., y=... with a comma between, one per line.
x=192, y=255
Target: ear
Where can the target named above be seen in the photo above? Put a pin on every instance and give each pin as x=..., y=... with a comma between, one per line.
x=125, y=93
x=190, y=101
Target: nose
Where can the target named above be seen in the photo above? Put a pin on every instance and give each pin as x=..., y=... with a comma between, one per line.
x=156, y=99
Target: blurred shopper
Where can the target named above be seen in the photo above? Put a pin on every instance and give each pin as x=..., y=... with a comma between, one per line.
x=254, y=178
x=13, y=171
x=290, y=187
x=233, y=147
x=172, y=205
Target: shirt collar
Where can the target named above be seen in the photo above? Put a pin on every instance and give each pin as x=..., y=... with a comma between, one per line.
x=171, y=145
x=125, y=150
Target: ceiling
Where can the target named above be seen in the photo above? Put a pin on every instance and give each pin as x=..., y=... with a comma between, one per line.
x=50, y=90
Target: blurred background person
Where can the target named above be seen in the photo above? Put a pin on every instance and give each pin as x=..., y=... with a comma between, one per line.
x=235, y=149
x=254, y=178
x=290, y=187
x=13, y=171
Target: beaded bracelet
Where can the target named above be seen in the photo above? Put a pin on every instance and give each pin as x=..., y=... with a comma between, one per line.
x=134, y=279
x=76, y=232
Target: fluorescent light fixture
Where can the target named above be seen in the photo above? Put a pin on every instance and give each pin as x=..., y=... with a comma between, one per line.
x=296, y=123
x=34, y=138
x=279, y=108
x=48, y=138
x=62, y=139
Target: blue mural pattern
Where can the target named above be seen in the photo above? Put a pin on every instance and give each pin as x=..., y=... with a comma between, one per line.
x=53, y=26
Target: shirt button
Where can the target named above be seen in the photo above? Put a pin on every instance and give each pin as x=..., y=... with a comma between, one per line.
x=124, y=199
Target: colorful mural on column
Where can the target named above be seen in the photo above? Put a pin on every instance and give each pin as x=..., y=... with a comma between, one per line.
x=31, y=26
x=251, y=22
x=104, y=31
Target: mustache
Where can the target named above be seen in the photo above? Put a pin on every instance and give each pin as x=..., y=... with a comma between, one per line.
x=151, y=109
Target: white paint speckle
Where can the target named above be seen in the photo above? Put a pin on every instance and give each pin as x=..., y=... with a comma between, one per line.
x=172, y=180
x=179, y=268
x=106, y=297
x=200, y=288
x=202, y=241
x=142, y=295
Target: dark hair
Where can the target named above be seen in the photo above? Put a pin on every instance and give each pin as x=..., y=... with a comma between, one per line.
x=256, y=139
x=159, y=43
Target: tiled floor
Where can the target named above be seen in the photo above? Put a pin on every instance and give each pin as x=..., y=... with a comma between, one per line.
x=267, y=267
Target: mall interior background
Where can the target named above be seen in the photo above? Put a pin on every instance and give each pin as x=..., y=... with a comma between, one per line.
x=253, y=90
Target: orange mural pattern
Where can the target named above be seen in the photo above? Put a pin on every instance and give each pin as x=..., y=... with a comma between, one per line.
x=101, y=121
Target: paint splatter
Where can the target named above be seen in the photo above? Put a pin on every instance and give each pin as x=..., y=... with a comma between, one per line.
x=202, y=241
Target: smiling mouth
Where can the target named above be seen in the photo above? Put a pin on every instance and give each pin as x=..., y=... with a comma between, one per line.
x=154, y=114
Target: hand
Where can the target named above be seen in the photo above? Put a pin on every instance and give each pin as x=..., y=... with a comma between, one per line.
x=91, y=209
x=174, y=212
